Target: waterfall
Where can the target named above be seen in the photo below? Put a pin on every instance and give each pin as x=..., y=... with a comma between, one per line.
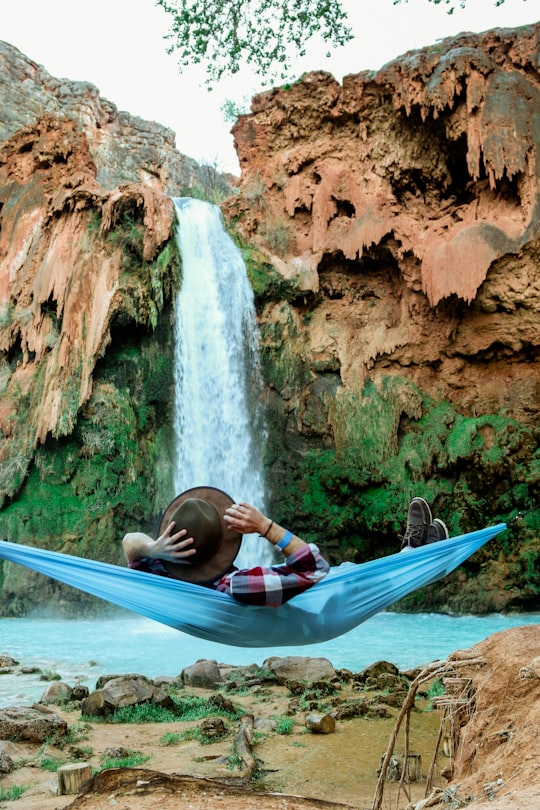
x=219, y=429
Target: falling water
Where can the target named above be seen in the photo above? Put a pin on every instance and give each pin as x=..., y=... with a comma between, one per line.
x=219, y=431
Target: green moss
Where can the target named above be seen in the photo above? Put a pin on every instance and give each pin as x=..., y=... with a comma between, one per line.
x=392, y=443
x=266, y=282
x=108, y=468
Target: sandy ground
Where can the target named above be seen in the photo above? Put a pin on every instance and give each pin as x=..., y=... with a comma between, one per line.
x=340, y=767
x=497, y=763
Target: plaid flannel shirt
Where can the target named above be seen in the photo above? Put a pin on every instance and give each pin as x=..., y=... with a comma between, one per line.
x=276, y=585
x=272, y=586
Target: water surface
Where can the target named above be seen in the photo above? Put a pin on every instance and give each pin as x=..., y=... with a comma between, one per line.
x=83, y=650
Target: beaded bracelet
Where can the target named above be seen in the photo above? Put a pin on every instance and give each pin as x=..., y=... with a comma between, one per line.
x=285, y=540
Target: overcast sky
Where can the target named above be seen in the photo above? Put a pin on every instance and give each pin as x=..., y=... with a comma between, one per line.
x=119, y=46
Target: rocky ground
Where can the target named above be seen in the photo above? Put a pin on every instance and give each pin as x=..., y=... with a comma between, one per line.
x=490, y=708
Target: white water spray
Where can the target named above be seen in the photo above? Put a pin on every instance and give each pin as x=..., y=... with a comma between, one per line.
x=219, y=433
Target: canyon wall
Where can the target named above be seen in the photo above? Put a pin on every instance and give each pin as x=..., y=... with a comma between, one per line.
x=88, y=274
x=125, y=148
x=397, y=219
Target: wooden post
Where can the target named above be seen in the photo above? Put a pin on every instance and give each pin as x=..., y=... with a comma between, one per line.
x=414, y=767
x=321, y=723
x=71, y=777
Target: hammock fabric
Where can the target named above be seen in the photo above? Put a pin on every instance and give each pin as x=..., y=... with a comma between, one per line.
x=347, y=596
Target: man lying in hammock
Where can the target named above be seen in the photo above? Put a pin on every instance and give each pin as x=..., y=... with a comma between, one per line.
x=199, y=537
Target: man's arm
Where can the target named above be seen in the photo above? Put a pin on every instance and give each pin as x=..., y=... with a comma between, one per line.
x=246, y=519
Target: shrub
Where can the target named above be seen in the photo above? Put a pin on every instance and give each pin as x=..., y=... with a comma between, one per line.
x=254, y=192
x=278, y=236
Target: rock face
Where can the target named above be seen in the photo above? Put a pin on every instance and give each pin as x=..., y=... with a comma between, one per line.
x=30, y=724
x=87, y=274
x=401, y=190
x=400, y=330
x=125, y=149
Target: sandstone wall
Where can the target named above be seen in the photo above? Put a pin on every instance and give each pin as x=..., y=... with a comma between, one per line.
x=125, y=148
x=87, y=276
x=398, y=217
x=89, y=269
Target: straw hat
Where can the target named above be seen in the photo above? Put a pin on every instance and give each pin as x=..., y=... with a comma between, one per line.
x=200, y=511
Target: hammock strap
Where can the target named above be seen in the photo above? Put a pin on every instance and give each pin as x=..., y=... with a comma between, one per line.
x=520, y=515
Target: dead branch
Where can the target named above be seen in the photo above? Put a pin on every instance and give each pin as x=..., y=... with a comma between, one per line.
x=430, y=672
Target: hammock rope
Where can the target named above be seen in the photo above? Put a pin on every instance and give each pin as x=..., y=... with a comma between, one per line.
x=349, y=594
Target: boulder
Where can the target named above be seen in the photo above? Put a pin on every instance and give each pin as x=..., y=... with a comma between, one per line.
x=6, y=661
x=129, y=691
x=375, y=671
x=57, y=692
x=98, y=704
x=161, y=698
x=301, y=668
x=79, y=692
x=103, y=679
x=6, y=763
x=121, y=691
x=30, y=725
x=204, y=674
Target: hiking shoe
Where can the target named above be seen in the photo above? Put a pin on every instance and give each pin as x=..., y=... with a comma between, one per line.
x=418, y=522
x=437, y=531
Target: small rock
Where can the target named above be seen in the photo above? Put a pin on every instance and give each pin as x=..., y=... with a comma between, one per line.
x=7, y=661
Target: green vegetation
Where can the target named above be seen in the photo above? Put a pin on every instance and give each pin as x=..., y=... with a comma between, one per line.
x=228, y=34
x=133, y=759
x=264, y=35
x=266, y=282
x=231, y=110
x=284, y=724
x=12, y=793
x=107, y=465
x=51, y=764
x=211, y=186
x=186, y=708
x=143, y=713
x=278, y=236
x=235, y=762
x=50, y=675
x=7, y=314
x=391, y=442
x=254, y=192
x=199, y=736
x=172, y=738
x=436, y=689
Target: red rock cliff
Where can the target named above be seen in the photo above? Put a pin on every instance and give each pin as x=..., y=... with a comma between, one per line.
x=401, y=213
x=427, y=171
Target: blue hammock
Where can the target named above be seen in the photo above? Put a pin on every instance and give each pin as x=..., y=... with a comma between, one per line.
x=347, y=596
